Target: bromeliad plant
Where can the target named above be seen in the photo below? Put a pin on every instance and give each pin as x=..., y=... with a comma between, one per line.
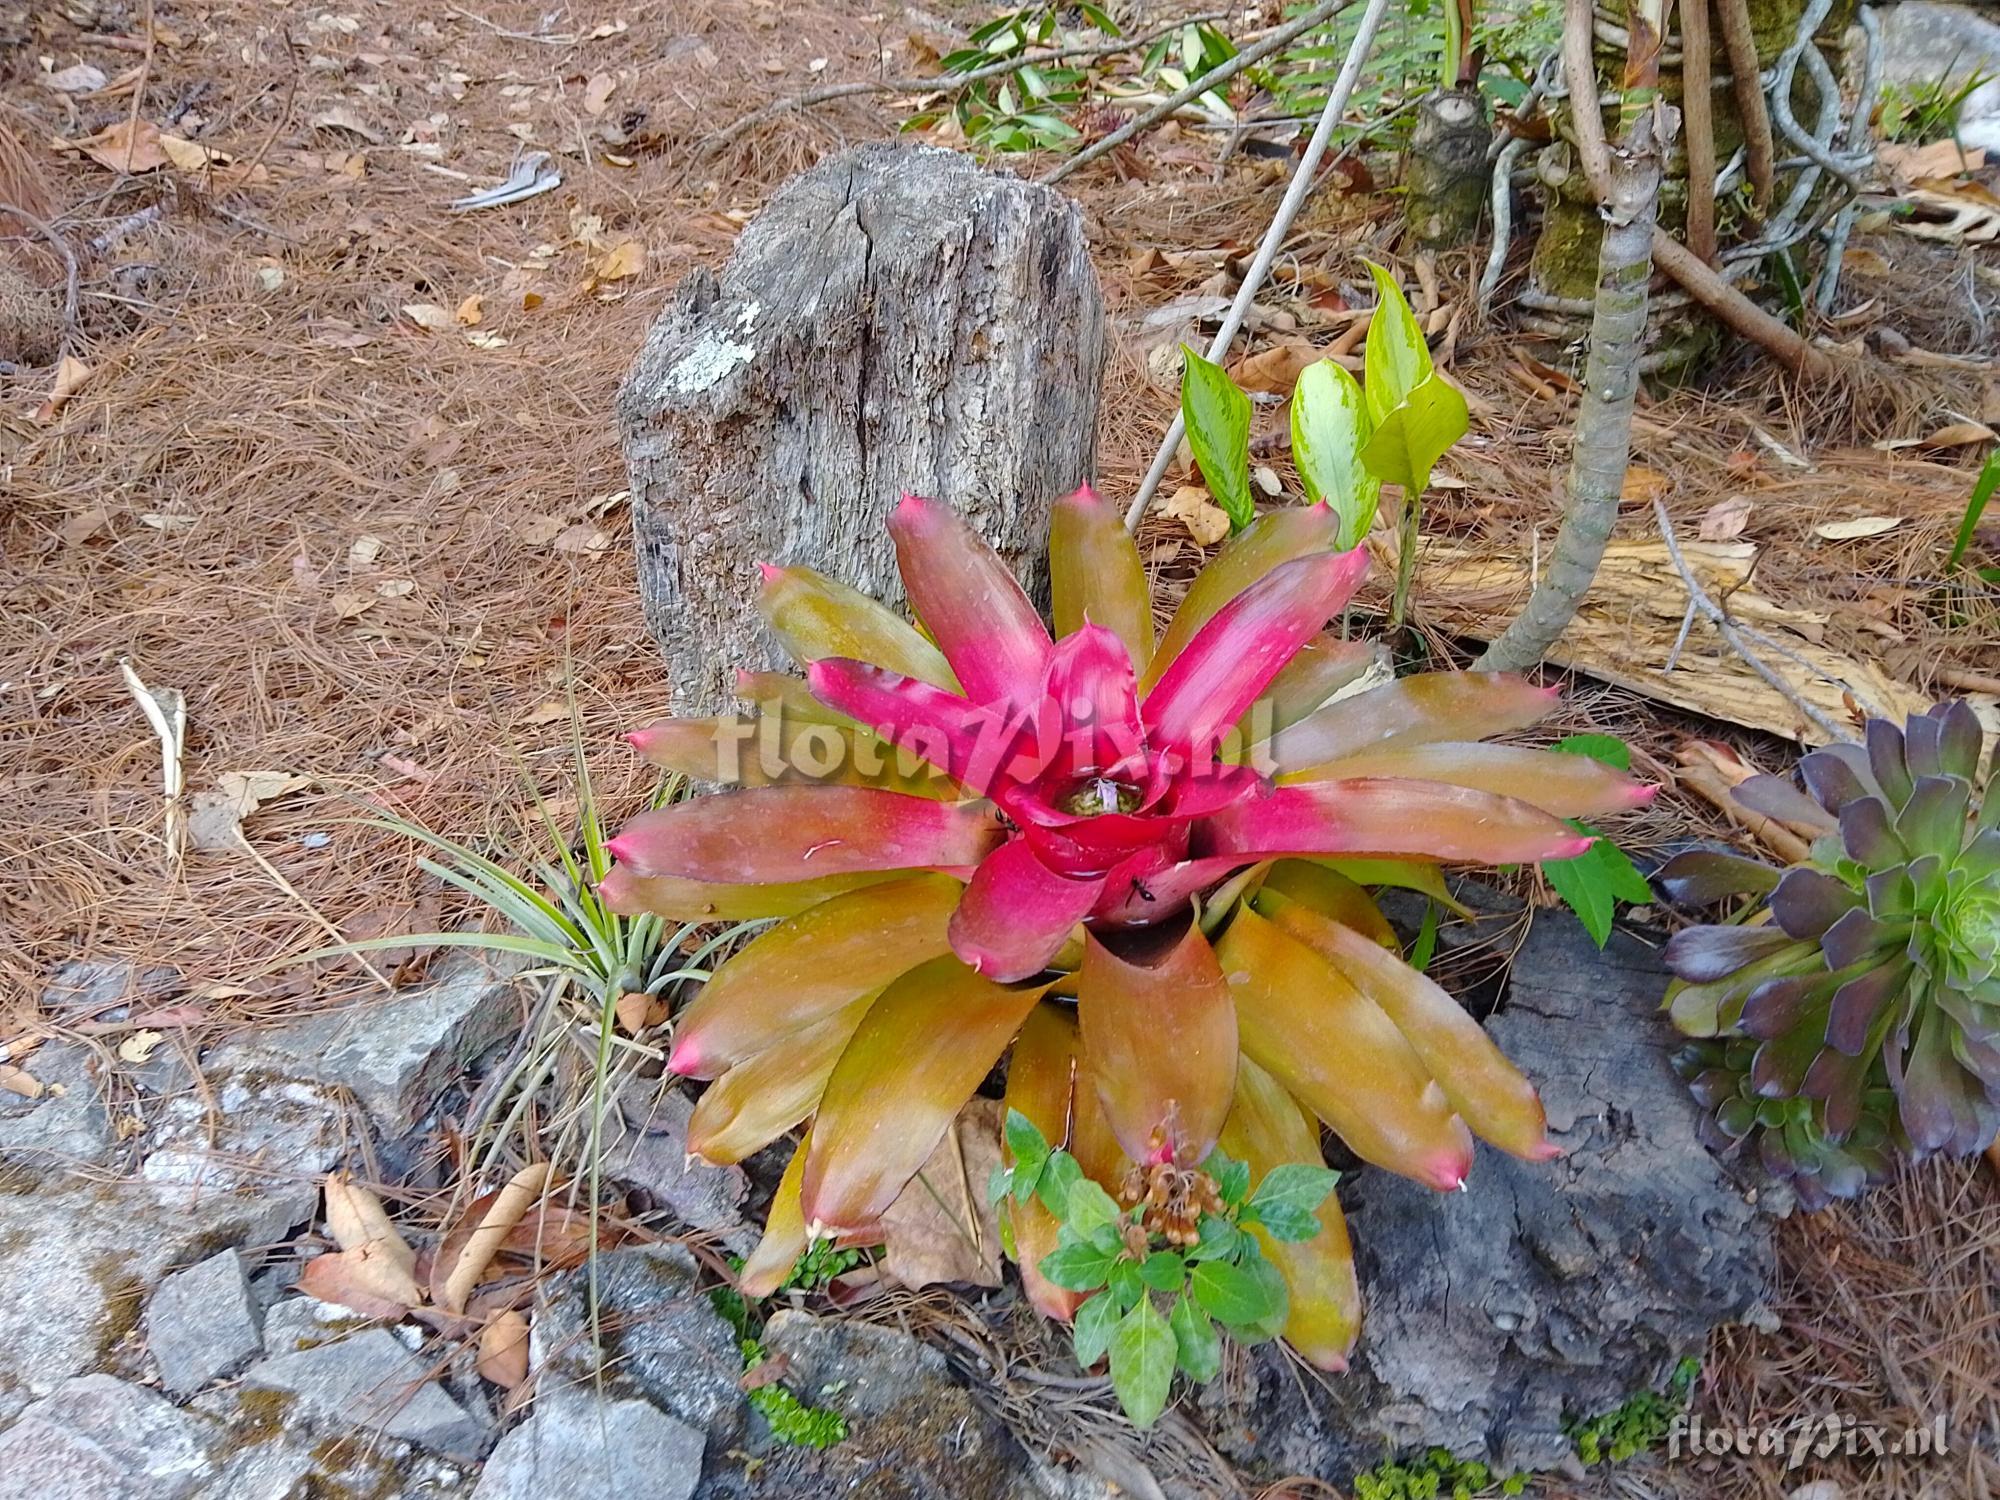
x=1112, y=845
x=1853, y=1015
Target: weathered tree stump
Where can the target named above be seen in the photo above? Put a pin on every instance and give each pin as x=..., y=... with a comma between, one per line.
x=897, y=318
x=1447, y=178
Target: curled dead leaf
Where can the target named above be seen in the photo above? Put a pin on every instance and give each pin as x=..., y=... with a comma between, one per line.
x=343, y=119
x=1859, y=527
x=140, y=1046
x=129, y=146
x=429, y=316
x=468, y=1251
x=356, y=1219
x=503, y=1350
x=942, y=1226
x=215, y=819
x=471, y=311
x=1643, y=486
x=631, y=1011
x=19, y=1082
x=370, y=1280
x=72, y=375
x=1275, y=370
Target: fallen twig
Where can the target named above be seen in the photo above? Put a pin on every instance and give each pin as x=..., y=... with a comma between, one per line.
x=1698, y=596
x=1214, y=78
x=1274, y=237
x=1966, y=681
x=948, y=83
x=70, y=279
x=1737, y=311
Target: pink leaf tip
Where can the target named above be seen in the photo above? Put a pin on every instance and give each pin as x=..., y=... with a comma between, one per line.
x=1083, y=494
x=685, y=1058
x=1545, y=1150
x=1644, y=792
x=769, y=572
x=618, y=848
x=1570, y=848
x=636, y=739
x=912, y=507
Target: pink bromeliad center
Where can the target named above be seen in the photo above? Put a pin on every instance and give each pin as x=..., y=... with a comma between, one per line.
x=1103, y=790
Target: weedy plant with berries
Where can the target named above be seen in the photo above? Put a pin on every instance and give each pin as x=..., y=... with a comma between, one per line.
x=1189, y=1239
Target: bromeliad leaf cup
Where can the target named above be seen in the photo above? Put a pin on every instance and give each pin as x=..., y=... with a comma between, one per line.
x=1117, y=852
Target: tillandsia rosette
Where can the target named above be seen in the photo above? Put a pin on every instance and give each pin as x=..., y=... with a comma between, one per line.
x=1856, y=1006
x=1108, y=850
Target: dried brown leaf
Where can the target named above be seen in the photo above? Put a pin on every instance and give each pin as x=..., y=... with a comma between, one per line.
x=1726, y=519
x=503, y=1350
x=369, y=1280
x=1206, y=521
x=357, y=1220
x=942, y=1226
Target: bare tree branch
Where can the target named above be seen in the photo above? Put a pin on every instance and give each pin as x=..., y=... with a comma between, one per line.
x=1698, y=597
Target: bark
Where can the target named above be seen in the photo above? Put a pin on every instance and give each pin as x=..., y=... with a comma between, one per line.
x=1603, y=439
x=1698, y=125
x=1740, y=40
x=897, y=318
x=1446, y=179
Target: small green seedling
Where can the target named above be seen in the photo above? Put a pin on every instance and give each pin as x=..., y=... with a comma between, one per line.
x=1168, y=1272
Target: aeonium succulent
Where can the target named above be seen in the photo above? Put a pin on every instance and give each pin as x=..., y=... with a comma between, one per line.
x=1861, y=995
x=1112, y=846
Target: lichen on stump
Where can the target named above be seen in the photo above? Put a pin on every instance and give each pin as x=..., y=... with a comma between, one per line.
x=897, y=318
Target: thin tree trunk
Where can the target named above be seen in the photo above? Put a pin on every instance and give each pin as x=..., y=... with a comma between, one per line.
x=1603, y=440
x=1697, y=76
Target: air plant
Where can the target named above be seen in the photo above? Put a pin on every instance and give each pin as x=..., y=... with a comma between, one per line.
x=1855, y=1008
x=1119, y=849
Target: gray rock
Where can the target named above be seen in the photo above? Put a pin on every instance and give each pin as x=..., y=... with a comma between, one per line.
x=200, y=1325
x=395, y=1056
x=80, y=1258
x=913, y=1432
x=265, y=1451
x=652, y=1155
x=294, y=1323
x=662, y=1339
x=104, y=989
x=69, y=1123
x=96, y=1438
x=262, y=1134
x=370, y=1381
x=584, y=1449
x=1541, y=1291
